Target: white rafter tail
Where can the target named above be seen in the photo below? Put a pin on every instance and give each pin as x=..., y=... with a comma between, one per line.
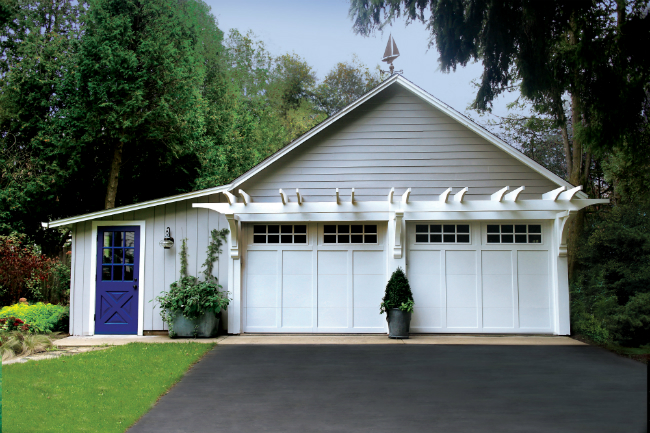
x=283, y=196
x=231, y=198
x=352, y=196
x=391, y=193
x=498, y=196
x=458, y=197
x=245, y=197
x=338, y=199
x=298, y=196
x=405, y=196
x=514, y=195
x=553, y=195
x=568, y=194
x=445, y=195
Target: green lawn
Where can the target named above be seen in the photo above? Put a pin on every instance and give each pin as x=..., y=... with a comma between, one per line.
x=104, y=391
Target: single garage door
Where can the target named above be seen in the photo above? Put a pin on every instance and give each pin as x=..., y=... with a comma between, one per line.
x=480, y=277
x=315, y=277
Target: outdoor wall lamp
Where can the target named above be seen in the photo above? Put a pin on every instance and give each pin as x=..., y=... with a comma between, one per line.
x=168, y=241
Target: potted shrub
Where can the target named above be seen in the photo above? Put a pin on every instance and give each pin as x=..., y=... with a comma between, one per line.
x=191, y=306
x=398, y=305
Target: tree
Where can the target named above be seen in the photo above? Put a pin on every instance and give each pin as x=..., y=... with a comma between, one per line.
x=587, y=51
x=136, y=80
x=546, y=49
x=344, y=84
x=35, y=46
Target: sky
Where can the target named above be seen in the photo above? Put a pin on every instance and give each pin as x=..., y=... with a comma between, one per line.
x=320, y=31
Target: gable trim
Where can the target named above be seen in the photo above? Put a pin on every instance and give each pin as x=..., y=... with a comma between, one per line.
x=134, y=207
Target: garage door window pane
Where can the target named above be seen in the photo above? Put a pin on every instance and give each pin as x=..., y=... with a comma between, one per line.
x=518, y=234
x=350, y=233
x=267, y=234
x=438, y=233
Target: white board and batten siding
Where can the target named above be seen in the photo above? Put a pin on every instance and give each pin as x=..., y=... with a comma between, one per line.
x=480, y=287
x=395, y=139
x=161, y=267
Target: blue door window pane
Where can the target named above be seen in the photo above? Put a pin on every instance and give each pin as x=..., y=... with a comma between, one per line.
x=128, y=273
x=129, y=239
x=108, y=239
x=117, y=256
x=106, y=273
x=129, y=255
x=106, y=256
x=117, y=273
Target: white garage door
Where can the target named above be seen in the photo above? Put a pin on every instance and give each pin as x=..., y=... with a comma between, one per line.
x=325, y=277
x=472, y=277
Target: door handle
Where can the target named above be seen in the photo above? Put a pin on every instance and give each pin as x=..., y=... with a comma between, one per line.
x=135, y=287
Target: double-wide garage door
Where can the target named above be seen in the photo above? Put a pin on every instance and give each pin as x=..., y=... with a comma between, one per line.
x=330, y=277
x=480, y=277
x=314, y=277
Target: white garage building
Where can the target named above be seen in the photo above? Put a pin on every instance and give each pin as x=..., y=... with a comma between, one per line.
x=397, y=178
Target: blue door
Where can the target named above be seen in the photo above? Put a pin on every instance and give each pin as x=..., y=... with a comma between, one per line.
x=118, y=262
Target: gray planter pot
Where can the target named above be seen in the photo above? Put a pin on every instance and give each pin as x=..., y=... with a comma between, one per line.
x=204, y=326
x=398, y=323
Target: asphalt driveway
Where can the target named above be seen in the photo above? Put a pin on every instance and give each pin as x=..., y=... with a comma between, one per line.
x=405, y=388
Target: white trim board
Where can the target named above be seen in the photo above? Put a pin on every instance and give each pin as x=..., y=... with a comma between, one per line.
x=134, y=207
x=93, y=271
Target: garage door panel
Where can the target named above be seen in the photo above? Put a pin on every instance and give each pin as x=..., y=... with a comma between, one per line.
x=424, y=262
x=426, y=290
x=497, y=291
x=498, y=317
x=462, y=318
x=368, y=290
x=461, y=291
x=296, y=263
x=332, y=263
x=369, y=262
x=332, y=317
x=297, y=291
x=532, y=263
x=368, y=318
x=534, y=318
x=533, y=291
x=296, y=317
x=426, y=317
x=262, y=263
x=461, y=263
x=261, y=291
x=261, y=317
x=496, y=263
x=332, y=291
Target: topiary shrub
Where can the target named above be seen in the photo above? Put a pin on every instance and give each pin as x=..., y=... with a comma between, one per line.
x=40, y=317
x=398, y=293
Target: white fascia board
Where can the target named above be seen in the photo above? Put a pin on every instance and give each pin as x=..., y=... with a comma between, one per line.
x=311, y=133
x=435, y=102
x=134, y=207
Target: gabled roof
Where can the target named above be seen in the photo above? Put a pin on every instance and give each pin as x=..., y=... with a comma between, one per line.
x=393, y=80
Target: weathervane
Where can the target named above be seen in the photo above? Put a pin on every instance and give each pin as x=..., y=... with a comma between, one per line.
x=390, y=54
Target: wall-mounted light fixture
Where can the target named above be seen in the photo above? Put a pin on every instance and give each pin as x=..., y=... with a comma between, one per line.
x=168, y=241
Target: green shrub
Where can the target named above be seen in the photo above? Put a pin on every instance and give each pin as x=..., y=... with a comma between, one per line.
x=40, y=317
x=398, y=293
x=631, y=325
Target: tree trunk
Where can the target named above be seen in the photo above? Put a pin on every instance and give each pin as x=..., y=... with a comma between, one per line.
x=113, y=177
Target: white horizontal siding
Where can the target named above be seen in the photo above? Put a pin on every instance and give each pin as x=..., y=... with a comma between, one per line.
x=395, y=140
x=161, y=266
